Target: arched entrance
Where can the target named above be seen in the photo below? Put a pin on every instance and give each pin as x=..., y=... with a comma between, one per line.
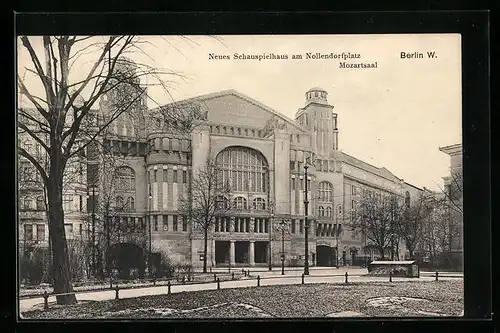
x=325, y=255
x=124, y=257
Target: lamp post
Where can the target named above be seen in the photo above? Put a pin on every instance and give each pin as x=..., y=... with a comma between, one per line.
x=306, y=226
x=270, y=256
x=92, y=268
x=282, y=226
x=337, y=230
x=149, y=231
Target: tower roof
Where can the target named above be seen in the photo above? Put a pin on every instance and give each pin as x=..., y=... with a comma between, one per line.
x=316, y=89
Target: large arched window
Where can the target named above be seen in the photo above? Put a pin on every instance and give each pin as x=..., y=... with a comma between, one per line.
x=244, y=169
x=325, y=192
x=125, y=179
x=222, y=202
x=28, y=203
x=131, y=203
x=40, y=203
x=321, y=211
x=119, y=202
x=329, y=211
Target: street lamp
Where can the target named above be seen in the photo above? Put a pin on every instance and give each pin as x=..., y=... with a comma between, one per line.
x=93, y=187
x=282, y=225
x=149, y=227
x=270, y=256
x=306, y=226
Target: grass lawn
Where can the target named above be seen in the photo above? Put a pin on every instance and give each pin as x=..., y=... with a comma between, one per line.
x=413, y=298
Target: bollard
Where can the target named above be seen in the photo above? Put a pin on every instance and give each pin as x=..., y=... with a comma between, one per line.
x=218, y=284
x=232, y=276
x=437, y=275
x=258, y=280
x=168, y=285
x=390, y=276
x=302, y=278
x=116, y=292
x=45, y=300
x=346, y=277
x=215, y=277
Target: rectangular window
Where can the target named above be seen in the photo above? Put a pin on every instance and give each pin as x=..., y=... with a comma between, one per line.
x=165, y=222
x=184, y=176
x=141, y=223
x=149, y=177
x=165, y=175
x=293, y=184
x=217, y=222
x=81, y=203
x=155, y=176
x=155, y=222
x=353, y=190
x=266, y=226
x=302, y=184
x=293, y=226
x=175, y=176
x=292, y=165
x=81, y=230
x=28, y=232
x=184, y=224
x=301, y=225
x=247, y=224
x=40, y=232
x=236, y=225
x=227, y=223
x=174, y=224
x=68, y=228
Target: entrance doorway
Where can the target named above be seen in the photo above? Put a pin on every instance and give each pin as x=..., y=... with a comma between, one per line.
x=241, y=252
x=325, y=256
x=221, y=252
x=261, y=252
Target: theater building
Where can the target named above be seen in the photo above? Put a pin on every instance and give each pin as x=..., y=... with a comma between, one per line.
x=262, y=154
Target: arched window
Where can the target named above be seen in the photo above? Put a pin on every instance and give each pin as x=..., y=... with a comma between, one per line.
x=329, y=211
x=259, y=203
x=339, y=209
x=40, y=203
x=325, y=192
x=119, y=202
x=245, y=169
x=240, y=203
x=125, y=179
x=28, y=203
x=321, y=211
x=407, y=199
x=222, y=202
x=131, y=203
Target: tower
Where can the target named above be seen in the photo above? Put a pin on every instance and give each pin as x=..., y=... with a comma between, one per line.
x=318, y=117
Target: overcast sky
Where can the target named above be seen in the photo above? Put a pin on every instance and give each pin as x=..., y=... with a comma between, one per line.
x=396, y=115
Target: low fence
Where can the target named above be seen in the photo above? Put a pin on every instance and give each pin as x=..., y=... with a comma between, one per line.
x=232, y=277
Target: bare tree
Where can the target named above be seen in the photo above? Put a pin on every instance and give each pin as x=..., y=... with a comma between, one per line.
x=64, y=105
x=412, y=225
x=376, y=219
x=207, y=199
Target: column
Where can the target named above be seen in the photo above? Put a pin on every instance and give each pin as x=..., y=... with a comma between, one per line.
x=251, y=253
x=231, y=253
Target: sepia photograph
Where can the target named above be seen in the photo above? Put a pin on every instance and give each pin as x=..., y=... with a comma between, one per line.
x=239, y=176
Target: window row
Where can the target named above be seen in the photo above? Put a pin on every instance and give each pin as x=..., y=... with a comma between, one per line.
x=29, y=203
x=301, y=182
x=328, y=230
x=124, y=148
x=34, y=232
x=125, y=205
x=179, y=223
x=241, y=203
x=166, y=144
x=242, y=224
x=294, y=226
x=235, y=131
x=158, y=223
x=324, y=212
x=168, y=176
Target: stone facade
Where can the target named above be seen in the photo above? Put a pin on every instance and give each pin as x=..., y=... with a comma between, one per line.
x=274, y=149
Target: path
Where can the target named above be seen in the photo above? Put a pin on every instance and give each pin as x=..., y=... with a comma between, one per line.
x=268, y=278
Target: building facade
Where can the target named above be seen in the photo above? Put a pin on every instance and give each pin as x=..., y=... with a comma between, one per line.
x=262, y=155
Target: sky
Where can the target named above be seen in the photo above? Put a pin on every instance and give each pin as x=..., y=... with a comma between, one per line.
x=396, y=115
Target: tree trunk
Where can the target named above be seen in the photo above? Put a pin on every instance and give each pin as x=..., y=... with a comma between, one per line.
x=60, y=262
x=205, y=246
x=382, y=252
